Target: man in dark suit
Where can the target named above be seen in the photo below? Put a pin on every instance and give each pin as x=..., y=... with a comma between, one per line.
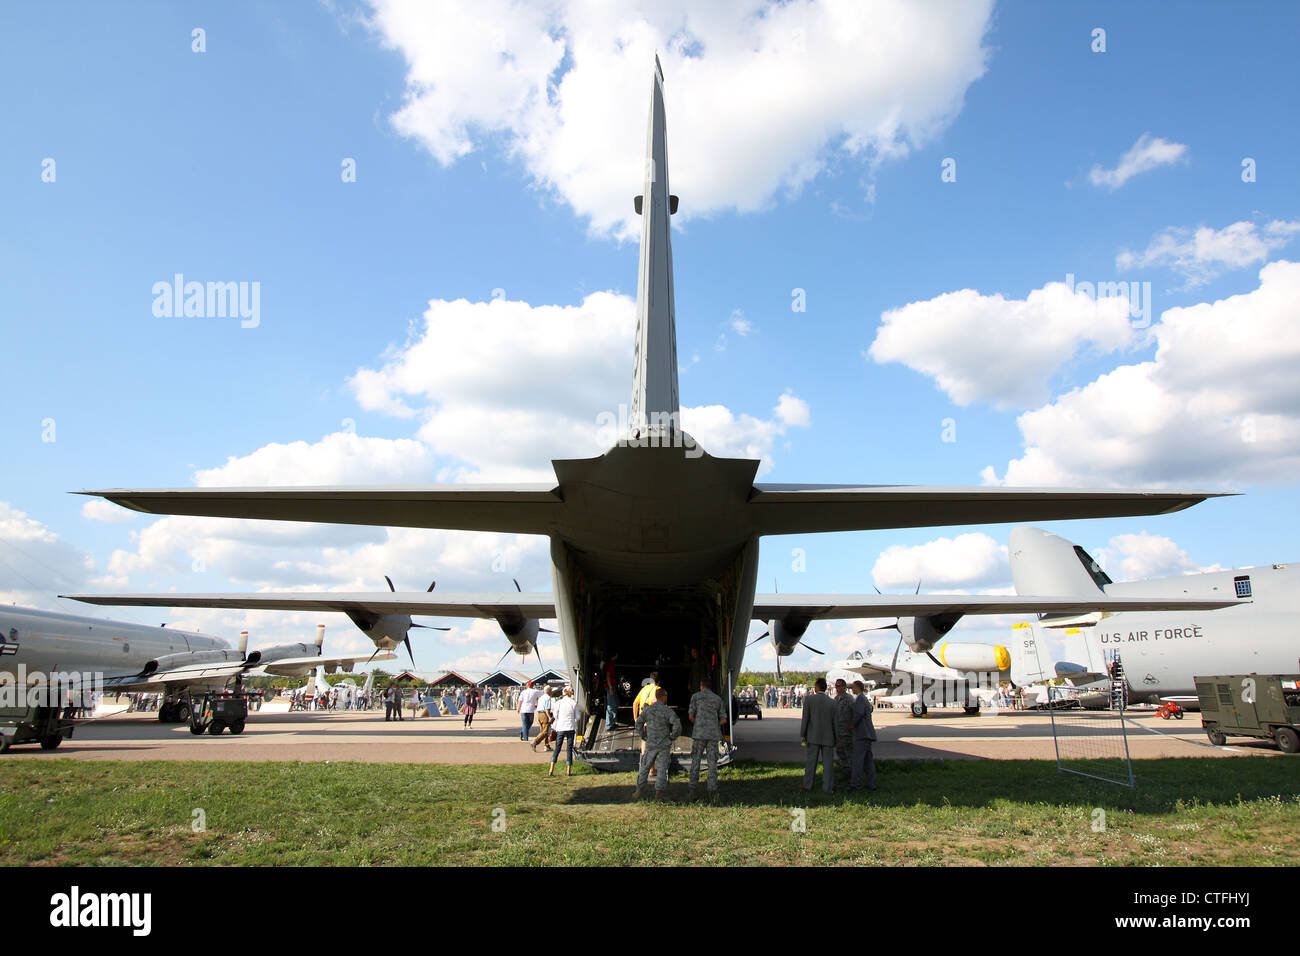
x=817, y=728
x=864, y=733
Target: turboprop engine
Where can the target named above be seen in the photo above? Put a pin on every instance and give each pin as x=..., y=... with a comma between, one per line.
x=521, y=633
x=388, y=631
x=920, y=634
x=787, y=634
x=269, y=655
x=189, y=658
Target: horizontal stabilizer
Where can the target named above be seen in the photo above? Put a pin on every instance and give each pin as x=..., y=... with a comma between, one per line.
x=806, y=509
x=519, y=509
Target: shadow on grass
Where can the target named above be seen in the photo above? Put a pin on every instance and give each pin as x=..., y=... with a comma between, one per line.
x=1162, y=785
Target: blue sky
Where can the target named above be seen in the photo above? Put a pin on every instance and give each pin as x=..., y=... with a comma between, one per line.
x=820, y=172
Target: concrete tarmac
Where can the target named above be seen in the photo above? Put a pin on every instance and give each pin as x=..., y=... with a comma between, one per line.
x=365, y=736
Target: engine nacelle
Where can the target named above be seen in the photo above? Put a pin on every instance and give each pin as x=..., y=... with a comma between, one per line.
x=388, y=631
x=786, y=634
x=269, y=655
x=975, y=657
x=521, y=633
x=188, y=658
x=922, y=633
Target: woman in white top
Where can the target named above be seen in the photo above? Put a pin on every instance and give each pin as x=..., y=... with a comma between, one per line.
x=564, y=719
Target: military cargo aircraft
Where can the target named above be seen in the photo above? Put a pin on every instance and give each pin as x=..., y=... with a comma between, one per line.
x=82, y=655
x=654, y=545
x=1161, y=651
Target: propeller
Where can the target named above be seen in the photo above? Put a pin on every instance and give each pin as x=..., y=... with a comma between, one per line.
x=889, y=627
x=543, y=630
x=428, y=627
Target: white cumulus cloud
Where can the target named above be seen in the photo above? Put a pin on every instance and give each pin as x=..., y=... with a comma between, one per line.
x=761, y=97
x=971, y=560
x=990, y=348
x=1219, y=403
x=1137, y=557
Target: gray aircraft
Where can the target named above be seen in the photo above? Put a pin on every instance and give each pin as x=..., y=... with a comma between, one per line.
x=654, y=545
x=1161, y=651
x=84, y=654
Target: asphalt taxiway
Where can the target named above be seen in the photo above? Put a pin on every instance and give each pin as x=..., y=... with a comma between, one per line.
x=366, y=737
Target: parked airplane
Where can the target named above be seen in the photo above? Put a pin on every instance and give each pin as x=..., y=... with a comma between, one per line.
x=83, y=654
x=654, y=543
x=1161, y=651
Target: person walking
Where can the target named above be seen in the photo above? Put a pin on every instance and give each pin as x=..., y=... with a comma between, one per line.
x=864, y=733
x=706, y=716
x=527, y=708
x=644, y=699
x=564, y=718
x=544, y=705
x=817, y=729
x=397, y=701
x=472, y=697
x=659, y=727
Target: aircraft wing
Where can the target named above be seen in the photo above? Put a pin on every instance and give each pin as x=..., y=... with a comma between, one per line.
x=769, y=607
x=803, y=509
x=302, y=666
x=177, y=677
x=521, y=509
x=431, y=604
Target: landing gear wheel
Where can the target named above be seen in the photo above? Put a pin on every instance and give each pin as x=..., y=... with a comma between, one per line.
x=197, y=729
x=216, y=727
x=165, y=714
x=51, y=742
x=972, y=711
x=182, y=713
x=236, y=727
x=1216, y=738
x=1288, y=741
x=1179, y=715
x=919, y=709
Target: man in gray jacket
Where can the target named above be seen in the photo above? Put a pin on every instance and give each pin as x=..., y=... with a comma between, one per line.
x=864, y=732
x=817, y=728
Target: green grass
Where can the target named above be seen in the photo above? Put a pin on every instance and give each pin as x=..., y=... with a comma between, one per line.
x=1196, y=811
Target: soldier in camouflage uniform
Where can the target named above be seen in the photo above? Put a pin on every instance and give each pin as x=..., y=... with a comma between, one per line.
x=661, y=727
x=843, y=727
x=707, y=717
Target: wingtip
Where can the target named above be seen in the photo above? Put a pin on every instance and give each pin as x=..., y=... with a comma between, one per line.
x=659, y=70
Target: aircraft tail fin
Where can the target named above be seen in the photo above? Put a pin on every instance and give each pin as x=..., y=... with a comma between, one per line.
x=1083, y=648
x=1044, y=563
x=655, y=408
x=1030, y=658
